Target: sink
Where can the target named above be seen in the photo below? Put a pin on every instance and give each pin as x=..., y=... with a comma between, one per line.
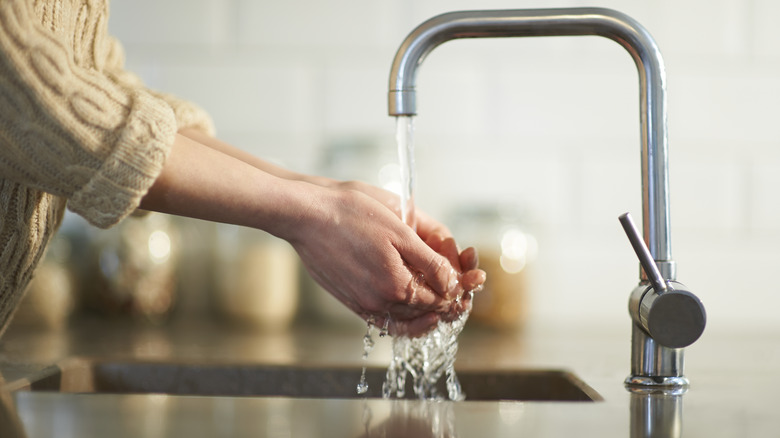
x=85, y=375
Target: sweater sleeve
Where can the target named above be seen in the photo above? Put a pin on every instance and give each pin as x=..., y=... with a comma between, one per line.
x=73, y=131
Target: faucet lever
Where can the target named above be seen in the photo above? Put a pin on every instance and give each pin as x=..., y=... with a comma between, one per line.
x=670, y=314
x=645, y=258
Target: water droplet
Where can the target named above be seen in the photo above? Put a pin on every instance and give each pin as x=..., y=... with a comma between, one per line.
x=386, y=327
x=362, y=386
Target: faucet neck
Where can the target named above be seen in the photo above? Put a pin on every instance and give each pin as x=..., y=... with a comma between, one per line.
x=652, y=363
x=562, y=22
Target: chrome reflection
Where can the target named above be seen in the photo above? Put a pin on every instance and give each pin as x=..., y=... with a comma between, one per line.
x=656, y=414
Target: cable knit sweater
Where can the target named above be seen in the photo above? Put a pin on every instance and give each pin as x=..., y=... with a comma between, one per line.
x=75, y=129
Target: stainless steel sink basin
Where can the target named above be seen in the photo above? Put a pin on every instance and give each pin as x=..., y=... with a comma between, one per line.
x=211, y=379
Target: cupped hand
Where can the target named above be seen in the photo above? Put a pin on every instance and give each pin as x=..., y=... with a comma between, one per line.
x=431, y=293
x=465, y=262
x=430, y=230
x=360, y=251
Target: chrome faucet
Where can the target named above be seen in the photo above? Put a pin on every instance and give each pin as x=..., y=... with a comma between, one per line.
x=665, y=316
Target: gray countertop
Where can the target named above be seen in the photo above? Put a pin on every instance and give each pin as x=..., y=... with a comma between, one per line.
x=733, y=385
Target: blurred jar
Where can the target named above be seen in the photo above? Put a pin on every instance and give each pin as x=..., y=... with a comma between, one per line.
x=195, y=275
x=50, y=297
x=321, y=307
x=256, y=278
x=132, y=268
x=506, y=252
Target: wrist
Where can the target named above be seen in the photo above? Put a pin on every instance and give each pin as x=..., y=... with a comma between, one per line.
x=302, y=207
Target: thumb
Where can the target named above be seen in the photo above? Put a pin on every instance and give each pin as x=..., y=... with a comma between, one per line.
x=438, y=272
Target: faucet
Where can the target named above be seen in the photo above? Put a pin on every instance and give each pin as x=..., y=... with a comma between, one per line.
x=666, y=317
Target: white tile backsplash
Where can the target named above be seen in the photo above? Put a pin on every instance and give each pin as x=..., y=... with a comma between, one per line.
x=765, y=40
x=549, y=123
x=193, y=22
x=763, y=198
x=312, y=24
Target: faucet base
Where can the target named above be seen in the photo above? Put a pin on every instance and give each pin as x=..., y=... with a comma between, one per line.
x=653, y=366
x=654, y=384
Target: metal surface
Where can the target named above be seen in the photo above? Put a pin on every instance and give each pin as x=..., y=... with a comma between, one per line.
x=562, y=22
x=643, y=253
x=638, y=42
x=672, y=316
x=722, y=403
x=656, y=415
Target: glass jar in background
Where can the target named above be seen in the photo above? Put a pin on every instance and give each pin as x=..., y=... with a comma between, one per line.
x=256, y=278
x=131, y=268
x=195, y=275
x=506, y=252
x=51, y=296
x=320, y=307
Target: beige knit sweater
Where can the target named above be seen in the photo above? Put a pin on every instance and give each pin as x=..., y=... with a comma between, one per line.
x=75, y=129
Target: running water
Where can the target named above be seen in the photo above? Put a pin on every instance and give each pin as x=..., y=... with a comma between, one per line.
x=428, y=358
x=404, y=136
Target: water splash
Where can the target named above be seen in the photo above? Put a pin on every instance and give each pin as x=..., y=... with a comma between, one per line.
x=426, y=359
x=368, y=346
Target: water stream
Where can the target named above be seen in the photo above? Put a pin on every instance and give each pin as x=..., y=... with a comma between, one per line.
x=429, y=358
x=404, y=136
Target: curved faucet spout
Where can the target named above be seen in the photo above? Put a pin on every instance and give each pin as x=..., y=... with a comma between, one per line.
x=661, y=311
x=564, y=22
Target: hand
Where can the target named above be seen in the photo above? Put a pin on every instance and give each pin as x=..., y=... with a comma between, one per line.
x=426, y=226
x=439, y=238
x=360, y=251
x=465, y=262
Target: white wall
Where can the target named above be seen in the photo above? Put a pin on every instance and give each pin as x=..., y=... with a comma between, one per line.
x=549, y=123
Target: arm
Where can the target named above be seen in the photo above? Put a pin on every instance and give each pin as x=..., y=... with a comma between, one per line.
x=426, y=226
x=351, y=244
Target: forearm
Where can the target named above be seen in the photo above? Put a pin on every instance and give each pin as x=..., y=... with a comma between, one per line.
x=252, y=160
x=203, y=182
x=426, y=226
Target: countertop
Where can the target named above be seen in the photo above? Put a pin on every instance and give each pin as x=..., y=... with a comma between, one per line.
x=733, y=385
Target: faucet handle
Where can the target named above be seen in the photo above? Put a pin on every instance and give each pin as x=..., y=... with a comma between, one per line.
x=673, y=316
x=645, y=258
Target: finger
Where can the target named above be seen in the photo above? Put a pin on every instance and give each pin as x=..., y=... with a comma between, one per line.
x=426, y=226
x=473, y=279
x=435, y=241
x=449, y=249
x=469, y=259
x=438, y=271
x=417, y=298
